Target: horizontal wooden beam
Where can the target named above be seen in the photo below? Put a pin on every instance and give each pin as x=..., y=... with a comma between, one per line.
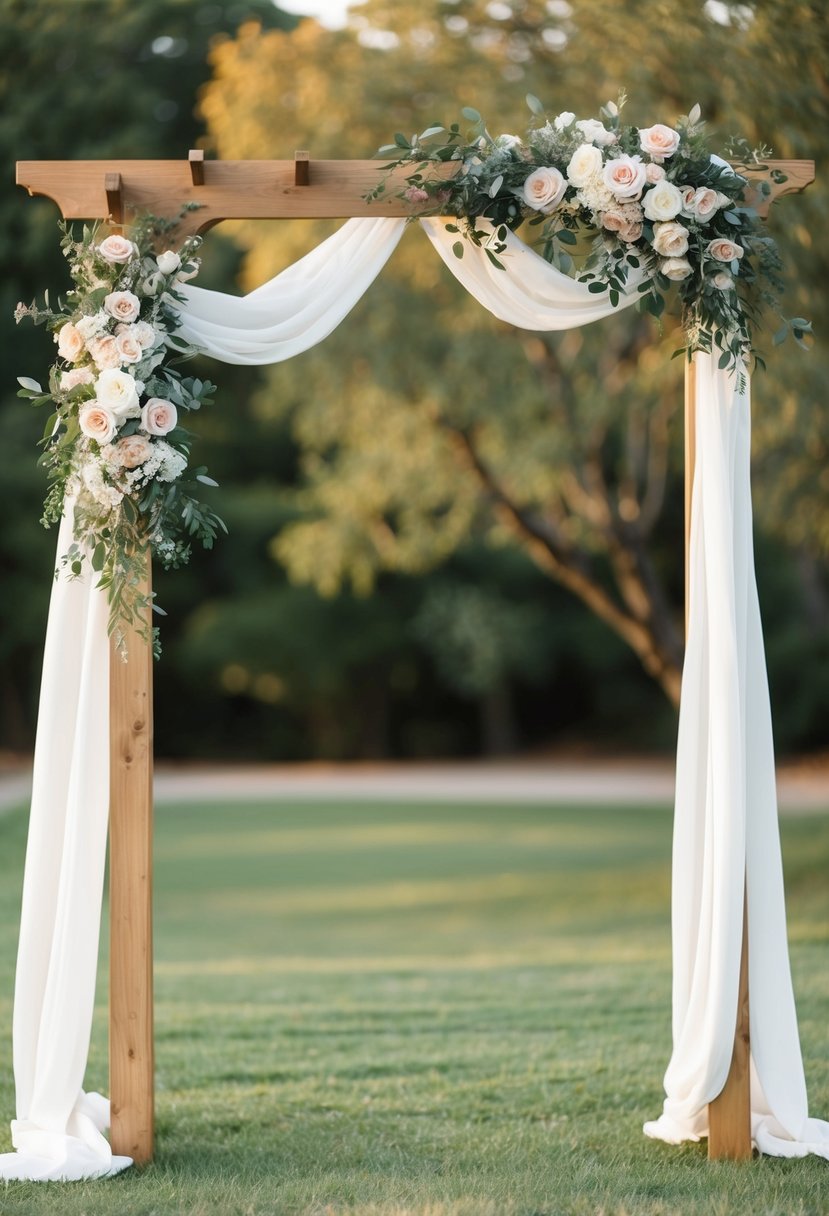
x=261, y=189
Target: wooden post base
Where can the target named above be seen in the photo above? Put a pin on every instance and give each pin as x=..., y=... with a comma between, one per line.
x=729, y=1115
x=131, y=1055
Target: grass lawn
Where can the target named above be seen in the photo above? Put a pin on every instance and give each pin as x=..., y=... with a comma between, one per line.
x=415, y=1010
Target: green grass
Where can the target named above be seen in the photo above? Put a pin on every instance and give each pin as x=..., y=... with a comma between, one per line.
x=423, y=1010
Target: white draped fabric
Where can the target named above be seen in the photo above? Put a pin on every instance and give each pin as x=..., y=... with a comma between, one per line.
x=725, y=819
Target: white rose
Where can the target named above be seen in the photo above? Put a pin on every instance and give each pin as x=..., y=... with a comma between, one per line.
x=676, y=269
x=158, y=416
x=670, y=240
x=168, y=262
x=78, y=375
x=104, y=352
x=544, y=189
x=662, y=202
x=585, y=164
x=625, y=176
x=116, y=249
x=116, y=390
x=595, y=132
x=97, y=422
x=132, y=450
x=128, y=347
x=659, y=141
x=70, y=342
x=724, y=250
x=564, y=120
x=122, y=305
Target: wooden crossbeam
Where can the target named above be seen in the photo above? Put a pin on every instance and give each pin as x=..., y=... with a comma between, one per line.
x=261, y=189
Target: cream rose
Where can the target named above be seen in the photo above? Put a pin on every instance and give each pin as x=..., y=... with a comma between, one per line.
x=676, y=269
x=122, y=305
x=97, y=422
x=117, y=391
x=132, y=450
x=654, y=173
x=70, y=342
x=104, y=352
x=662, y=202
x=564, y=120
x=129, y=348
x=624, y=176
x=78, y=375
x=544, y=189
x=670, y=240
x=585, y=164
x=723, y=280
x=158, y=416
x=658, y=141
x=168, y=262
x=116, y=248
x=724, y=250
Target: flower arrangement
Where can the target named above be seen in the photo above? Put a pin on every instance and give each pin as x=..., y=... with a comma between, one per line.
x=115, y=450
x=624, y=207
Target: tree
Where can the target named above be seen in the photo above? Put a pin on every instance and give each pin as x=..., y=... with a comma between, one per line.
x=563, y=446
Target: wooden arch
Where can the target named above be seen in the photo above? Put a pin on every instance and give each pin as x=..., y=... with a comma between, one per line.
x=261, y=189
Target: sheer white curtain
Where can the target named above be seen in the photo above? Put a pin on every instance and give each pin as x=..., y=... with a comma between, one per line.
x=726, y=815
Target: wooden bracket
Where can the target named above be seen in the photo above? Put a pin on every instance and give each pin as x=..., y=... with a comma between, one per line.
x=196, y=160
x=115, y=197
x=302, y=168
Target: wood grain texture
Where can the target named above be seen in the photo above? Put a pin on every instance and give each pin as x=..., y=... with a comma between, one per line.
x=259, y=189
x=729, y=1115
x=131, y=1051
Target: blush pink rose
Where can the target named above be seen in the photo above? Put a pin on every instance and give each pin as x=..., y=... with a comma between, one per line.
x=544, y=189
x=122, y=305
x=705, y=202
x=158, y=416
x=659, y=141
x=724, y=250
x=104, y=352
x=116, y=248
x=129, y=348
x=631, y=232
x=625, y=176
x=132, y=450
x=654, y=173
x=97, y=422
x=613, y=220
x=70, y=342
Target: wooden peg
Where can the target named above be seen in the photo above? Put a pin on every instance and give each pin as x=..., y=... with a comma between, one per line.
x=302, y=168
x=196, y=159
x=115, y=197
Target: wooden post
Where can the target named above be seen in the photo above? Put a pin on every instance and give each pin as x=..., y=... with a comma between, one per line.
x=131, y=1053
x=729, y=1115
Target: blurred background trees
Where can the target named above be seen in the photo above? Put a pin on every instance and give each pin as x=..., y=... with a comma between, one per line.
x=447, y=536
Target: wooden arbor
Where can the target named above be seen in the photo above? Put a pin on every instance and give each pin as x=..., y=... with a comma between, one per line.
x=259, y=190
